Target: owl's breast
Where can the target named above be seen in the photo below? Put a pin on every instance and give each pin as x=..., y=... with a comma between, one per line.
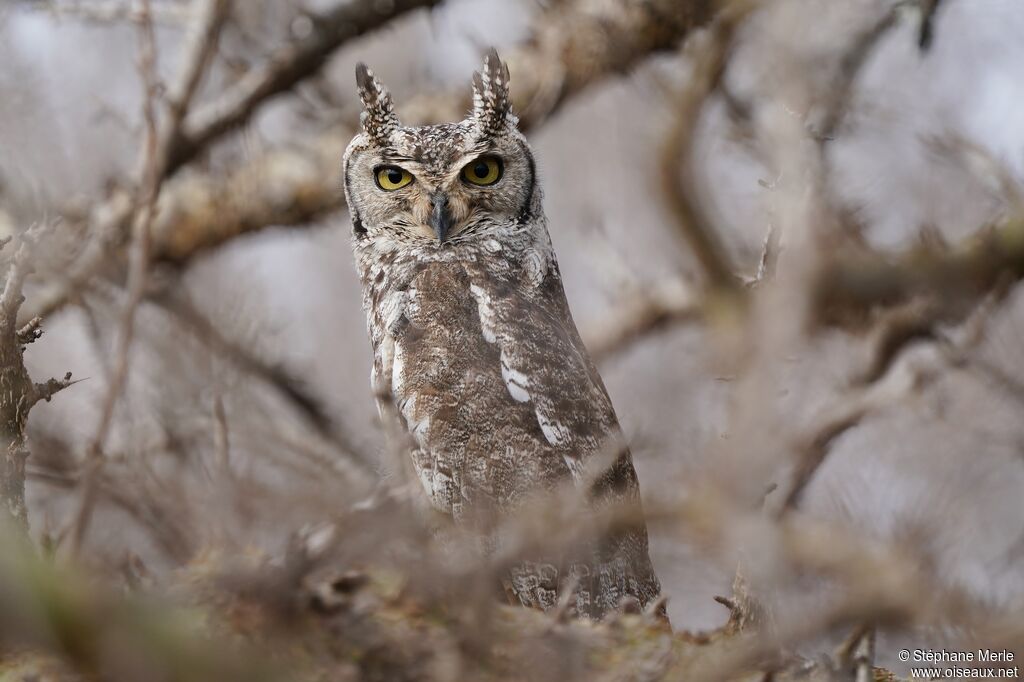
x=444, y=355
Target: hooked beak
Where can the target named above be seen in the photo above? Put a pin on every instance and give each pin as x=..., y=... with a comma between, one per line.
x=440, y=218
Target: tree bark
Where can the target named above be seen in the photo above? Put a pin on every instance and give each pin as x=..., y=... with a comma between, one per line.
x=18, y=393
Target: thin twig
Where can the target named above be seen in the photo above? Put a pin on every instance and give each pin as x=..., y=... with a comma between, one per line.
x=677, y=172
x=289, y=65
x=138, y=269
x=200, y=46
x=276, y=376
x=929, y=12
x=850, y=67
x=906, y=373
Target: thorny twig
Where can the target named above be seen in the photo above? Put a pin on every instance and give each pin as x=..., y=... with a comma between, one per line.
x=106, y=11
x=152, y=174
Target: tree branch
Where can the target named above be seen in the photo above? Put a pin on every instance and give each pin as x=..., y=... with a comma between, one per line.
x=696, y=227
x=853, y=282
x=578, y=44
x=288, y=66
x=18, y=393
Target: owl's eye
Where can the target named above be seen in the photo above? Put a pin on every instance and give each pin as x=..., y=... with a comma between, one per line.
x=390, y=178
x=484, y=171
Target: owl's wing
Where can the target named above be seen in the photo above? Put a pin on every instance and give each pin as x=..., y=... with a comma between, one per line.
x=545, y=365
x=493, y=382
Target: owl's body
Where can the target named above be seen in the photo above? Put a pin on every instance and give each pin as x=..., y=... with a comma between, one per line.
x=474, y=345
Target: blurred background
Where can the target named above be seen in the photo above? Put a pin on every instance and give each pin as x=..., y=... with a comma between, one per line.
x=250, y=352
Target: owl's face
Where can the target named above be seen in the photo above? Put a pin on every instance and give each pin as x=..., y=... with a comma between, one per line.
x=436, y=190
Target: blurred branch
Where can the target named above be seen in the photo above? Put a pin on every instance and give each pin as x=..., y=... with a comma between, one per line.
x=895, y=329
x=106, y=635
x=677, y=170
x=576, y=45
x=855, y=281
x=283, y=70
x=287, y=385
x=209, y=19
x=929, y=11
x=169, y=524
x=890, y=378
x=106, y=11
x=199, y=48
x=656, y=308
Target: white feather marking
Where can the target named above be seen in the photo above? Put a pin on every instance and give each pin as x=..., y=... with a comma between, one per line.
x=412, y=303
x=554, y=431
x=418, y=427
x=381, y=378
x=392, y=309
x=536, y=266
x=397, y=367
x=575, y=466
x=427, y=480
x=486, y=312
x=516, y=382
x=518, y=393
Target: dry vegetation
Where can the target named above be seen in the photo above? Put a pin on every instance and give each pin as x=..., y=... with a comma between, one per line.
x=267, y=542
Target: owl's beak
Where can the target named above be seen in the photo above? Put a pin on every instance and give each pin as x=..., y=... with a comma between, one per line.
x=440, y=217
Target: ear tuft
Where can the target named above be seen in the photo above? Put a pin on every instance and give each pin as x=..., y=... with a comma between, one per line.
x=378, y=118
x=492, y=104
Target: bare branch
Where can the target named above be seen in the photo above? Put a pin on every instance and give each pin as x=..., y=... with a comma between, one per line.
x=279, y=378
x=11, y=298
x=903, y=374
x=677, y=173
x=284, y=69
x=138, y=271
x=574, y=46
x=656, y=308
x=850, y=67
x=855, y=281
x=929, y=12
x=199, y=48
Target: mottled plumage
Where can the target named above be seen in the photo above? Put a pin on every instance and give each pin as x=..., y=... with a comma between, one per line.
x=473, y=341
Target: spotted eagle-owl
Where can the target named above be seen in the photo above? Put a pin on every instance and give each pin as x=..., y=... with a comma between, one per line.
x=474, y=346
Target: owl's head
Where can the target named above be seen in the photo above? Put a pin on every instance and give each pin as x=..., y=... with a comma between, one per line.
x=440, y=189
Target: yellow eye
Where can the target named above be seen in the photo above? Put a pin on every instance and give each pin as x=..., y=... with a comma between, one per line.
x=390, y=178
x=484, y=171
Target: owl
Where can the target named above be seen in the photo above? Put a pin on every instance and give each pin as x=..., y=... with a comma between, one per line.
x=476, y=356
